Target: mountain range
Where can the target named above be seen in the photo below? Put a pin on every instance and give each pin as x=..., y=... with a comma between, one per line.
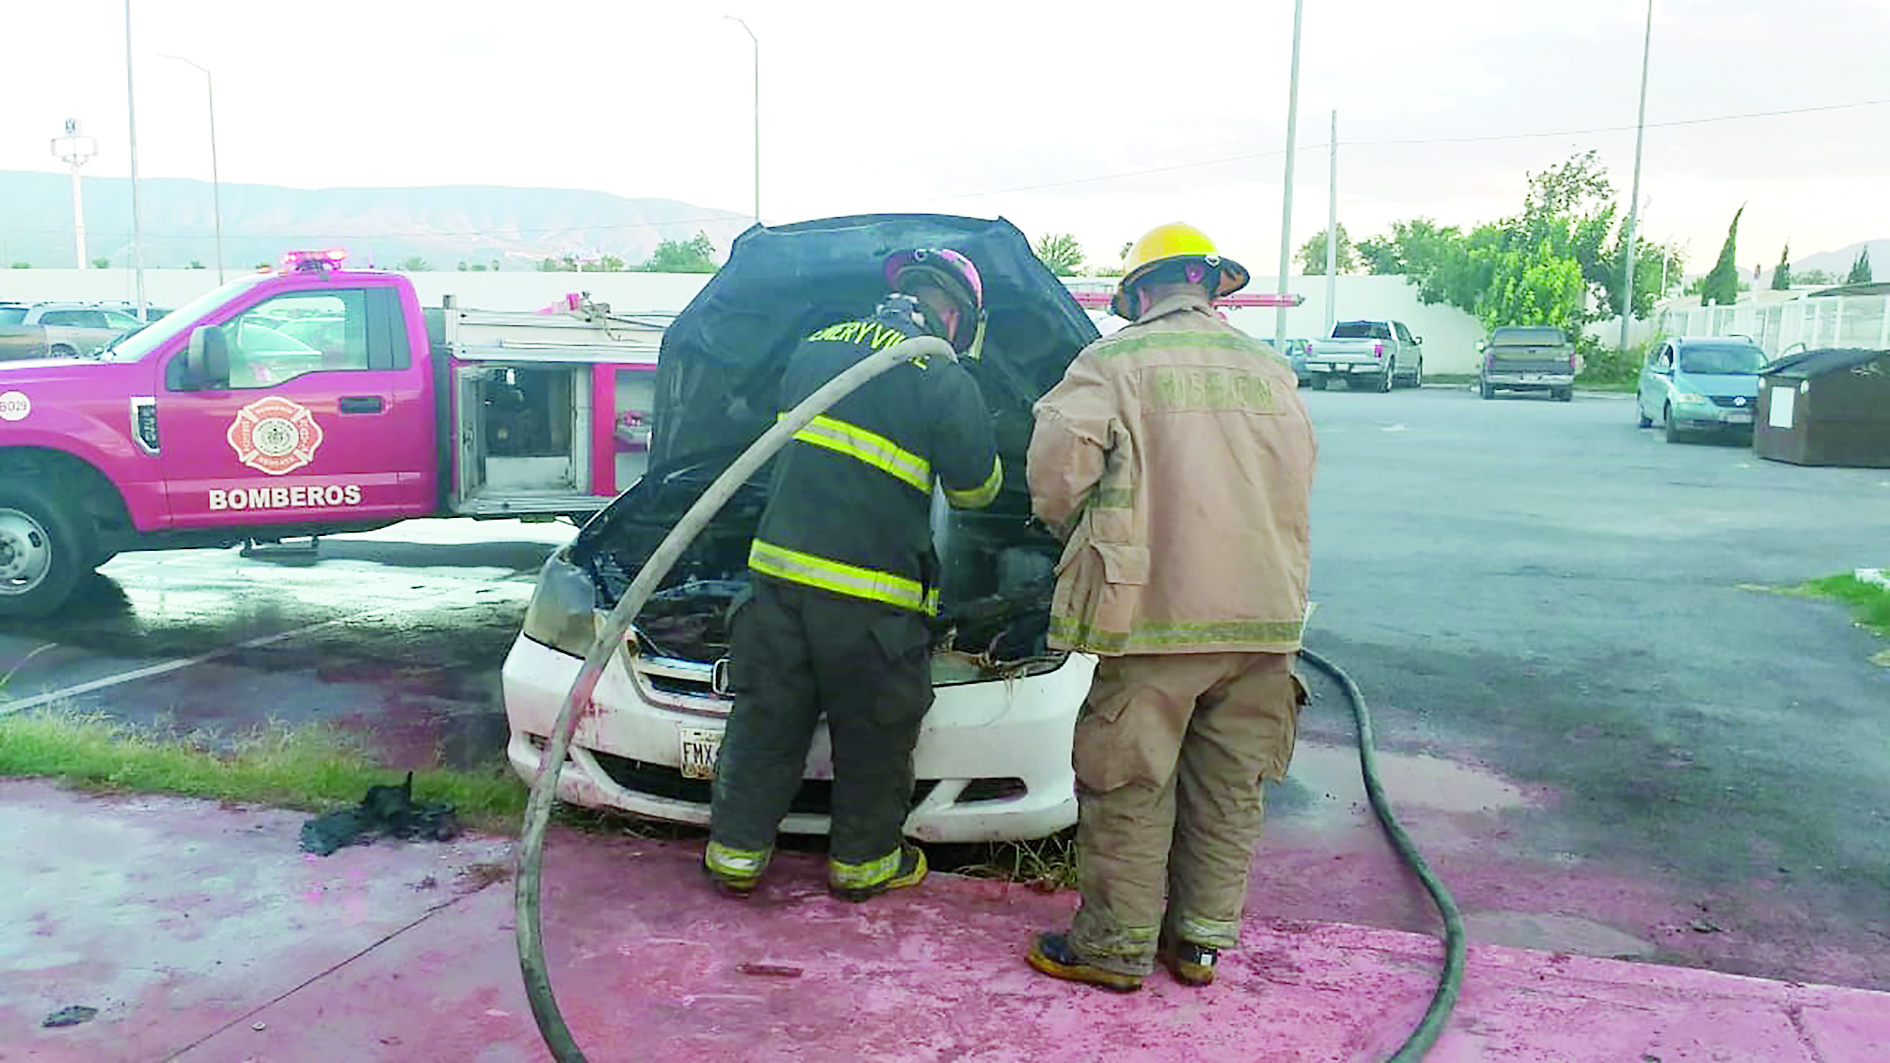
x=512, y=228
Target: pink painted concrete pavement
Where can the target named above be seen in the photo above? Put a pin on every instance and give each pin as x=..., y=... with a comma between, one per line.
x=201, y=934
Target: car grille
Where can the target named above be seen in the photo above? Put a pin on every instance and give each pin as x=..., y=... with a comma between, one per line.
x=815, y=797
x=1732, y=401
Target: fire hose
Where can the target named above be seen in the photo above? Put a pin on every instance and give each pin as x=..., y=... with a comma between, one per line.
x=527, y=924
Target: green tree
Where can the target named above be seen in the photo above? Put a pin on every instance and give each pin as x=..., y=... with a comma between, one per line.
x=1822, y=278
x=1060, y=253
x=564, y=264
x=413, y=264
x=196, y=264
x=1721, y=285
x=1860, y=269
x=682, y=256
x=1782, y=276
x=101, y=263
x=22, y=265
x=611, y=264
x=1312, y=253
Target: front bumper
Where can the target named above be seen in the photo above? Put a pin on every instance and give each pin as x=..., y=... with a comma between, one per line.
x=1713, y=416
x=627, y=753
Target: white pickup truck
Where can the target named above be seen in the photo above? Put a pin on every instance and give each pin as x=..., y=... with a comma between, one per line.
x=60, y=330
x=1367, y=355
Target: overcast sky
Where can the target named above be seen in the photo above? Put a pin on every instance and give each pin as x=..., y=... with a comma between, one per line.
x=1100, y=119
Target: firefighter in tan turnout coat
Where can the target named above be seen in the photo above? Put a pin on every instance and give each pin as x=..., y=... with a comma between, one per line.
x=1176, y=458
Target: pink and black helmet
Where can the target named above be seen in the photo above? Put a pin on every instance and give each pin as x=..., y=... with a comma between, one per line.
x=942, y=266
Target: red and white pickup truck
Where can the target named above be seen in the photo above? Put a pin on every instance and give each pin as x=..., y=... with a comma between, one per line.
x=308, y=401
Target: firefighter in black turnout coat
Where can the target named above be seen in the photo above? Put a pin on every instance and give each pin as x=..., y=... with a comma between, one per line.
x=844, y=577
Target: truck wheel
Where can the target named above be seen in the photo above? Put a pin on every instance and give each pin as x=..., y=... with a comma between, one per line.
x=1487, y=391
x=1388, y=381
x=1417, y=378
x=1317, y=383
x=44, y=551
x=1565, y=394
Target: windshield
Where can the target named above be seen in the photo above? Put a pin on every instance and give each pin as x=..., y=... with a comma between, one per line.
x=1528, y=337
x=1725, y=359
x=136, y=345
x=12, y=315
x=1361, y=330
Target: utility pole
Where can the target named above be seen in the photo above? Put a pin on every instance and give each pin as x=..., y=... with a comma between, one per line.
x=756, y=42
x=216, y=183
x=1332, y=229
x=1286, y=197
x=74, y=149
x=137, y=217
x=1634, y=199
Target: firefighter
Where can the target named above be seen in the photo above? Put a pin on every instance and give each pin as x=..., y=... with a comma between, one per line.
x=844, y=579
x=1176, y=459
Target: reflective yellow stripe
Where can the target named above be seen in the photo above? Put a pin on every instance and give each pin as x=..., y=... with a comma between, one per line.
x=980, y=496
x=737, y=864
x=864, y=876
x=840, y=577
x=870, y=447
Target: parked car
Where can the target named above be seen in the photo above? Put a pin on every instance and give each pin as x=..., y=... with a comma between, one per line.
x=993, y=760
x=1533, y=358
x=1377, y=355
x=1295, y=352
x=1700, y=384
x=63, y=330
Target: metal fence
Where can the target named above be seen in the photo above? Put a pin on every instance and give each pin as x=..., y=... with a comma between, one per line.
x=1780, y=328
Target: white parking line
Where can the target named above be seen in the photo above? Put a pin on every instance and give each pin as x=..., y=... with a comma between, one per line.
x=167, y=667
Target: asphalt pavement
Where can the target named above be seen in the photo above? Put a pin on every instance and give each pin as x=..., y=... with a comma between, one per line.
x=1610, y=736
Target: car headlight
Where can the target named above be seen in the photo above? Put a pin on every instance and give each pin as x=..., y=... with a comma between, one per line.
x=563, y=610
x=1688, y=398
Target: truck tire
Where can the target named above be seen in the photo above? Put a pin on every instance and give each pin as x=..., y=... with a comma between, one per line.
x=1317, y=382
x=1417, y=376
x=1564, y=394
x=1388, y=380
x=1487, y=391
x=44, y=551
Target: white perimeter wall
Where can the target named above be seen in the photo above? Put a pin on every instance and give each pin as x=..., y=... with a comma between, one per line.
x=1449, y=334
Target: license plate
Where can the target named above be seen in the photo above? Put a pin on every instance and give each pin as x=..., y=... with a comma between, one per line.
x=1533, y=378
x=1739, y=416
x=699, y=747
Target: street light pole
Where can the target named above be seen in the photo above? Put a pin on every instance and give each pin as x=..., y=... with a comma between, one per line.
x=216, y=183
x=1286, y=198
x=1634, y=200
x=756, y=41
x=74, y=149
x=137, y=216
x=1332, y=230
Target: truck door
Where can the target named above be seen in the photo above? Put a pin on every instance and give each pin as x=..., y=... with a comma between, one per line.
x=326, y=416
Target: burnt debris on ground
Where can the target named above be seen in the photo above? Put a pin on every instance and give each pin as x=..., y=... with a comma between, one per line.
x=384, y=812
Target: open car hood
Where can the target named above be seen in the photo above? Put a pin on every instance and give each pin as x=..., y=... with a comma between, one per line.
x=718, y=379
x=718, y=383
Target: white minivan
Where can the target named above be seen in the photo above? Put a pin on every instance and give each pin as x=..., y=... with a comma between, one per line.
x=993, y=758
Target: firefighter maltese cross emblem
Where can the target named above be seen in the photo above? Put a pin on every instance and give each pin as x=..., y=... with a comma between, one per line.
x=274, y=435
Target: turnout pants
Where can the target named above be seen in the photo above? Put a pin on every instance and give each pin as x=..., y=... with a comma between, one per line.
x=1170, y=751
x=795, y=655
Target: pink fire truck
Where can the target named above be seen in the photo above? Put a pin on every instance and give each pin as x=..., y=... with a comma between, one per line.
x=308, y=401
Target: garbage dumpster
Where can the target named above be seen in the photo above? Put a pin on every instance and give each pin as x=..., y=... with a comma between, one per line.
x=1825, y=407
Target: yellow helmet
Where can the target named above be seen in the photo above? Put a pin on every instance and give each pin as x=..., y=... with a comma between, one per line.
x=1175, y=241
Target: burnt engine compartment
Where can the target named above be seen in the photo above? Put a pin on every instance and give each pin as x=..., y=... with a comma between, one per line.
x=998, y=571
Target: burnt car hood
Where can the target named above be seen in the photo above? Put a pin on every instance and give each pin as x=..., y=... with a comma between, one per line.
x=718, y=383
x=719, y=375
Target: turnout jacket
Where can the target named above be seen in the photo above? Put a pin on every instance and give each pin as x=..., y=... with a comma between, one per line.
x=1177, y=458
x=850, y=511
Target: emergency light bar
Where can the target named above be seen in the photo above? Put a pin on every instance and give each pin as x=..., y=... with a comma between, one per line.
x=312, y=261
x=1099, y=300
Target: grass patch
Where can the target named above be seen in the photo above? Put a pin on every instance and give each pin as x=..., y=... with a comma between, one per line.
x=1047, y=864
x=314, y=769
x=1870, y=602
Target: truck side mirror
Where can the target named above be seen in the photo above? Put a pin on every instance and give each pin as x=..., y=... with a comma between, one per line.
x=1417, y=341
x=207, y=362
x=1482, y=345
